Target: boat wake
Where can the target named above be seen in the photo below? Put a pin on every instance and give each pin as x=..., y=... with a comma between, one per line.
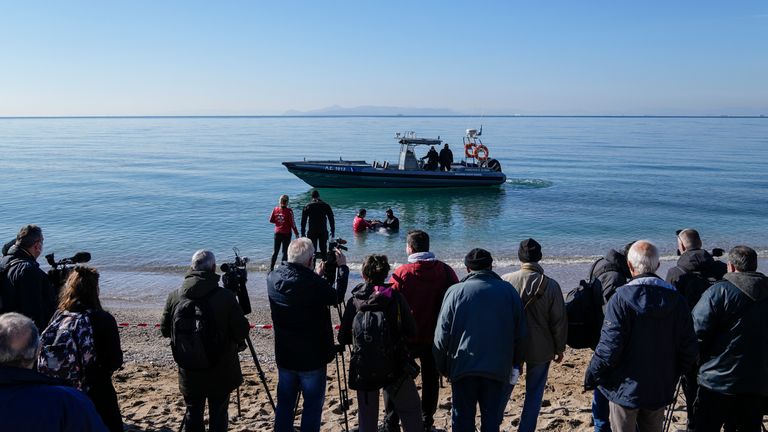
x=523, y=183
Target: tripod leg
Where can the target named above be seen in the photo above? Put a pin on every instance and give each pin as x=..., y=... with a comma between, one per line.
x=260, y=371
x=239, y=409
x=296, y=407
x=343, y=401
x=671, y=409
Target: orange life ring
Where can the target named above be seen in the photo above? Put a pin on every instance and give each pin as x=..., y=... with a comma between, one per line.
x=481, y=149
x=469, y=150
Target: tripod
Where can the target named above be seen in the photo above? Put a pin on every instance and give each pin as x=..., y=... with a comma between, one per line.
x=671, y=408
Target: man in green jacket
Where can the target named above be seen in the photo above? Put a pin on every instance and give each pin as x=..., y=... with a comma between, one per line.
x=547, y=327
x=216, y=382
x=478, y=338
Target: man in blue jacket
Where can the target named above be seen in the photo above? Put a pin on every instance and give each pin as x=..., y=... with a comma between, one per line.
x=478, y=339
x=731, y=322
x=31, y=401
x=647, y=342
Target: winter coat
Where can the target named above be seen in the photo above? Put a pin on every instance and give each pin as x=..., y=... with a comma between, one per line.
x=28, y=290
x=317, y=212
x=692, y=268
x=232, y=329
x=481, y=328
x=109, y=358
x=423, y=284
x=299, y=300
x=646, y=343
x=544, y=311
x=611, y=272
x=446, y=156
x=31, y=401
x=396, y=313
x=731, y=322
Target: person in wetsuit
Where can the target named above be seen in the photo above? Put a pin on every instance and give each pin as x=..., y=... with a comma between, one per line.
x=318, y=213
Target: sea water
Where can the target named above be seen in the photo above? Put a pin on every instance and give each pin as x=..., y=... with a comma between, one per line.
x=142, y=194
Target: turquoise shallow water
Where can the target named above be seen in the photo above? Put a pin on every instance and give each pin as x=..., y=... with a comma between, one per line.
x=142, y=194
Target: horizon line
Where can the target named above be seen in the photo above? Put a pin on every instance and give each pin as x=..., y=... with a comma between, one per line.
x=64, y=117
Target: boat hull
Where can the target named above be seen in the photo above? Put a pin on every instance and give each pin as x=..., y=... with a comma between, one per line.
x=360, y=175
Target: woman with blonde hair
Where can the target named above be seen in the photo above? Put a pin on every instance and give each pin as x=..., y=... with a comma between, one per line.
x=282, y=217
x=79, y=299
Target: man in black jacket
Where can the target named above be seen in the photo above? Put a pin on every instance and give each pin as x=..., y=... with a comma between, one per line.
x=695, y=272
x=26, y=288
x=609, y=272
x=299, y=300
x=318, y=212
x=647, y=341
x=215, y=383
x=731, y=322
x=446, y=158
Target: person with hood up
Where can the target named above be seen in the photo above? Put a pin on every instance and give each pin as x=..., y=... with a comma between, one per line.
x=374, y=301
x=299, y=300
x=646, y=343
x=215, y=383
x=547, y=327
x=446, y=158
x=731, y=323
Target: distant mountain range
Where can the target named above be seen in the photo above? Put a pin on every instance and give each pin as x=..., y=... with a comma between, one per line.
x=367, y=110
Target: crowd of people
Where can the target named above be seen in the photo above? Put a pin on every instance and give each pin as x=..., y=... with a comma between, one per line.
x=705, y=326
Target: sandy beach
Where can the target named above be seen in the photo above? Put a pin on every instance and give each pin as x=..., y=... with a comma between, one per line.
x=150, y=401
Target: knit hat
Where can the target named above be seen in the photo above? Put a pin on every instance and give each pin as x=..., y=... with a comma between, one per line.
x=478, y=259
x=530, y=251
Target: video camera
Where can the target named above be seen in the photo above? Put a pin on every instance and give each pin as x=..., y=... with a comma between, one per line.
x=60, y=269
x=716, y=252
x=235, y=278
x=330, y=261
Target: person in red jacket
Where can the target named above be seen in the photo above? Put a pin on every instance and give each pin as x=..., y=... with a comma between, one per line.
x=360, y=224
x=423, y=282
x=282, y=217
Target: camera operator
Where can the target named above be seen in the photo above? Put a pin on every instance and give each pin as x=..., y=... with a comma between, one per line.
x=209, y=366
x=25, y=288
x=299, y=300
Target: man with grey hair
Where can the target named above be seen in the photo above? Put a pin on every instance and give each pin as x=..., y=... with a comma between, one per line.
x=202, y=314
x=646, y=342
x=25, y=393
x=299, y=300
x=731, y=323
x=26, y=289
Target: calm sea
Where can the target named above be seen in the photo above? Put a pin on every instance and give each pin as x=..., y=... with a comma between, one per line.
x=142, y=194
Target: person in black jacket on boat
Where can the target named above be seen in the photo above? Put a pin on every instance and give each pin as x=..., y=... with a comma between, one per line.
x=317, y=213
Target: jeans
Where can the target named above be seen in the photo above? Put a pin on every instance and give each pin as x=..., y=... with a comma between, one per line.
x=430, y=389
x=468, y=392
x=535, y=379
x=312, y=386
x=600, y=410
x=217, y=413
x=738, y=413
x=281, y=242
x=625, y=419
x=404, y=400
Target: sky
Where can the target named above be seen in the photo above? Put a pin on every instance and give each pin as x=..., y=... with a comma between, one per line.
x=150, y=57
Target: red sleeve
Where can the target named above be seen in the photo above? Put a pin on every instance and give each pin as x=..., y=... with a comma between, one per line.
x=272, y=218
x=292, y=222
x=396, y=279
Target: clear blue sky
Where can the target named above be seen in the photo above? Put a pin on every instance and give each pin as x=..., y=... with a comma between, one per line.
x=150, y=57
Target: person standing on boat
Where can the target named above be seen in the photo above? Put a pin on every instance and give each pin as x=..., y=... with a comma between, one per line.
x=282, y=217
x=318, y=213
x=432, y=159
x=446, y=158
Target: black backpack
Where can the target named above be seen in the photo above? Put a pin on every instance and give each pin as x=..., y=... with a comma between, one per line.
x=194, y=339
x=584, y=307
x=375, y=359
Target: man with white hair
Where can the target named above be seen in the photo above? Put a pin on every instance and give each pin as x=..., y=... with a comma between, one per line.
x=205, y=324
x=29, y=400
x=646, y=343
x=299, y=300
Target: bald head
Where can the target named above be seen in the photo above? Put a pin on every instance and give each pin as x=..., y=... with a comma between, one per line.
x=19, y=341
x=643, y=257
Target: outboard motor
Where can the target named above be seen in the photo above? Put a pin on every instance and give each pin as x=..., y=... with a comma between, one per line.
x=492, y=164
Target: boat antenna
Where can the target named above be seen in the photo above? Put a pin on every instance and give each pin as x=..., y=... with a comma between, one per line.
x=480, y=132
